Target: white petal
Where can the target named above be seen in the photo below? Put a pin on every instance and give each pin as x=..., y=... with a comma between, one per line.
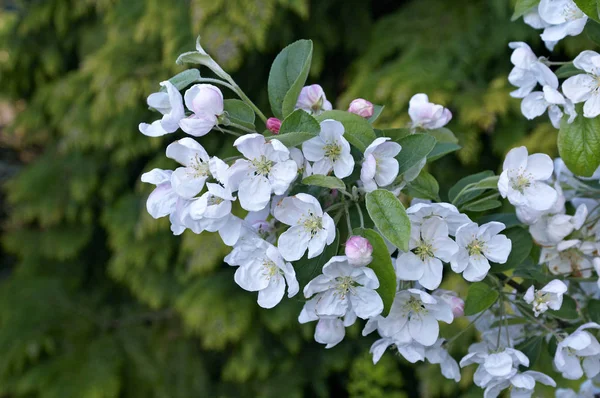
x=293, y=243
x=432, y=277
x=329, y=331
x=251, y=145
x=254, y=193
x=424, y=329
x=270, y=296
x=516, y=158
x=152, y=130
x=343, y=167
x=409, y=267
x=498, y=248
x=578, y=88
x=591, y=108
x=198, y=125
x=534, y=105
x=366, y=303
x=540, y=166
x=281, y=175
x=186, y=183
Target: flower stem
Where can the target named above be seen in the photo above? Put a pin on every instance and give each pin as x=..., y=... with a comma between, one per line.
x=223, y=130
x=360, y=215
x=239, y=126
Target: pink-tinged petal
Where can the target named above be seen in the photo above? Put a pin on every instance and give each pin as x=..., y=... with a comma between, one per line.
x=198, y=125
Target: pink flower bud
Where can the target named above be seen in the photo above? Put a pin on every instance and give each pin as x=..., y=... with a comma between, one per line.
x=458, y=306
x=358, y=250
x=274, y=124
x=361, y=107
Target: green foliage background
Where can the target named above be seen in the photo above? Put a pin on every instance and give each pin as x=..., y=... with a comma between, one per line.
x=98, y=300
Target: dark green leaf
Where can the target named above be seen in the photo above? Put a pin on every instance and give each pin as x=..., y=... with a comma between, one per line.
x=568, y=70
x=389, y=217
x=443, y=135
x=531, y=347
x=521, y=247
x=589, y=7
x=592, y=29
x=324, y=181
x=288, y=75
x=239, y=112
x=394, y=134
x=593, y=310
x=462, y=184
x=479, y=298
x=522, y=7
x=480, y=205
x=567, y=311
x=425, y=186
x=415, y=147
x=508, y=219
x=382, y=266
x=298, y=127
x=357, y=130
x=579, y=144
x=442, y=149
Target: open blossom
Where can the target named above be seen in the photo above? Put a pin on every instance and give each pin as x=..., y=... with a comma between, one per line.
x=586, y=390
x=579, y=349
x=358, y=251
x=478, y=245
x=551, y=229
x=427, y=115
x=170, y=105
x=528, y=71
x=189, y=180
x=310, y=228
x=361, y=107
x=585, y=87
x=521, y=385
x=267, y=169
x=312, y=99
x=550, y=296
x=419, y=212
x=380, y=167
x=206, y=103
x=563, y=16
x=494, y=366
x=522, y=179
x=163, y=199
x=536, y=103
x=569, y=257
x=429, y=245
x=330, y=150
x=437, y=354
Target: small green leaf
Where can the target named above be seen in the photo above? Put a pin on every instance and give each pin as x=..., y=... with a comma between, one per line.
x=568, y=70
x=521, y=248
x=324, y=181
x=522, y=7
x=579, y=144
x=288, y=75
x=183, y=79
x=532, y=347
x=442, y=149
x=589, y=7
x=193, y=57
x=389, y=217
x=239, y=112
x=593, y=310
x=357, y=130
x=382, y=266
x=567, y=311
x=394, y=134
x=462, y=184
x=479, y=298
x=443, y=134
x=425, y=186
x=298, y=127
x=377, y=109
x=415, y=147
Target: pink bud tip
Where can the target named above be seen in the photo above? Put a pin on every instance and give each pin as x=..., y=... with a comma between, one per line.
x=274, y=124
x=358, y=251
x=361, y=107
x=458, y=306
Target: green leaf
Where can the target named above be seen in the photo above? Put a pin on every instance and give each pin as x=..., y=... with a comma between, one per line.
x=357, y=130
x=193, y=57
x=479, y=298
x=522, y=7
x=480, y=205
x=377, y=109
x=593, y=310
x=567, y=311
x=382, y=266
x=288, y=75
x=521, y=247
x=298, y=127
x=589, y=7
x=508, y=219
x=414, y=148
x=579, y=144
x=183, y=79
x=389, y=217
x=442, y=149
x=324, y=181
x=462, y=184
x=568, y=70
x=394, y=134
x=425, y=186
x=239, y=112
x=531, y=347
x=592, y=30
x=443, y=134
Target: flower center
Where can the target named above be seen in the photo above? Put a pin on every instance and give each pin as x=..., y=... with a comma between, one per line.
x=476, y=247
x=317, y=105
x=270, y=269
x=332, y=151
x=571, y=12
x=313, y=224
x=424, y=250
x=414, y=307
x=214, y=200
x=521, y=182
x=344, y=285
x=198, y=167
x=262, y=165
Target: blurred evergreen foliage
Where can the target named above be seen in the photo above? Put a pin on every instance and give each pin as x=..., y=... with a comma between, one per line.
x=98, y=300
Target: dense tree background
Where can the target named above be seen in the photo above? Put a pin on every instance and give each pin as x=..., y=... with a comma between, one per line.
x=98, y=300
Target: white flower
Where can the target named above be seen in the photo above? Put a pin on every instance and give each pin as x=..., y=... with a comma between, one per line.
x=330, y=330
x=380, y=167
x=189, y=180
x=550, y=296
x=528, y=71
x=206, y=103
x=414, y=316
x=522, y=179
x=569, y=257
x=312, y=99
x=359, y=251
x=330, y=150
x=521, y=385
x=267, y=169
x=585, y=87
x=429, y=245
x=579, y=348
x=550, y=229
x=361, y=107
x=170, y=105
x=163, y=199
x=587, y=390
x=427, y=115
x=564, y=17
x=536, y=103
x=437, y=354
x=264, y=271
x=493, y=366
x=420, y=212
x=477, y=246
x=310, y=228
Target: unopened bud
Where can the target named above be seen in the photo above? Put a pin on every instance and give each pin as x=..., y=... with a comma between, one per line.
x=359, y=251
x=456, y=303
x=361, y=107
x=274, y=124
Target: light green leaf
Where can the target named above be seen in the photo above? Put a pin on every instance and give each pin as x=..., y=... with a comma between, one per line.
x=521, y=248
x=183, y=79
x=522, y=7
x=425, y=186
x=239, y=112
x=415, y=147
x=389, y=217
x=288, y=75
x=377, y=109
x=480, y=297
x=324, y=181
x=357, y=130
x=193, y=57
x=298, y=127
x=579, y=144
x=382, y=266
x=589, y=7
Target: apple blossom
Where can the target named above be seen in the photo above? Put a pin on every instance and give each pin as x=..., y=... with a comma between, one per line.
x=206, y=103
x=419, y=212
x=312, y=99
x=564, y=17
x=427, y=115
x=548, y=297
x=358, y=251
x=569, y=257
x=170, y=105
x=585, y=87
x=494, y=365
x=579, y=348
x=380, y=167
x=528, y=71
x=163, y=199
x=330, y=150
x=521, y=385
x=536, y=103
x=361, y=107
x=189, y=180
